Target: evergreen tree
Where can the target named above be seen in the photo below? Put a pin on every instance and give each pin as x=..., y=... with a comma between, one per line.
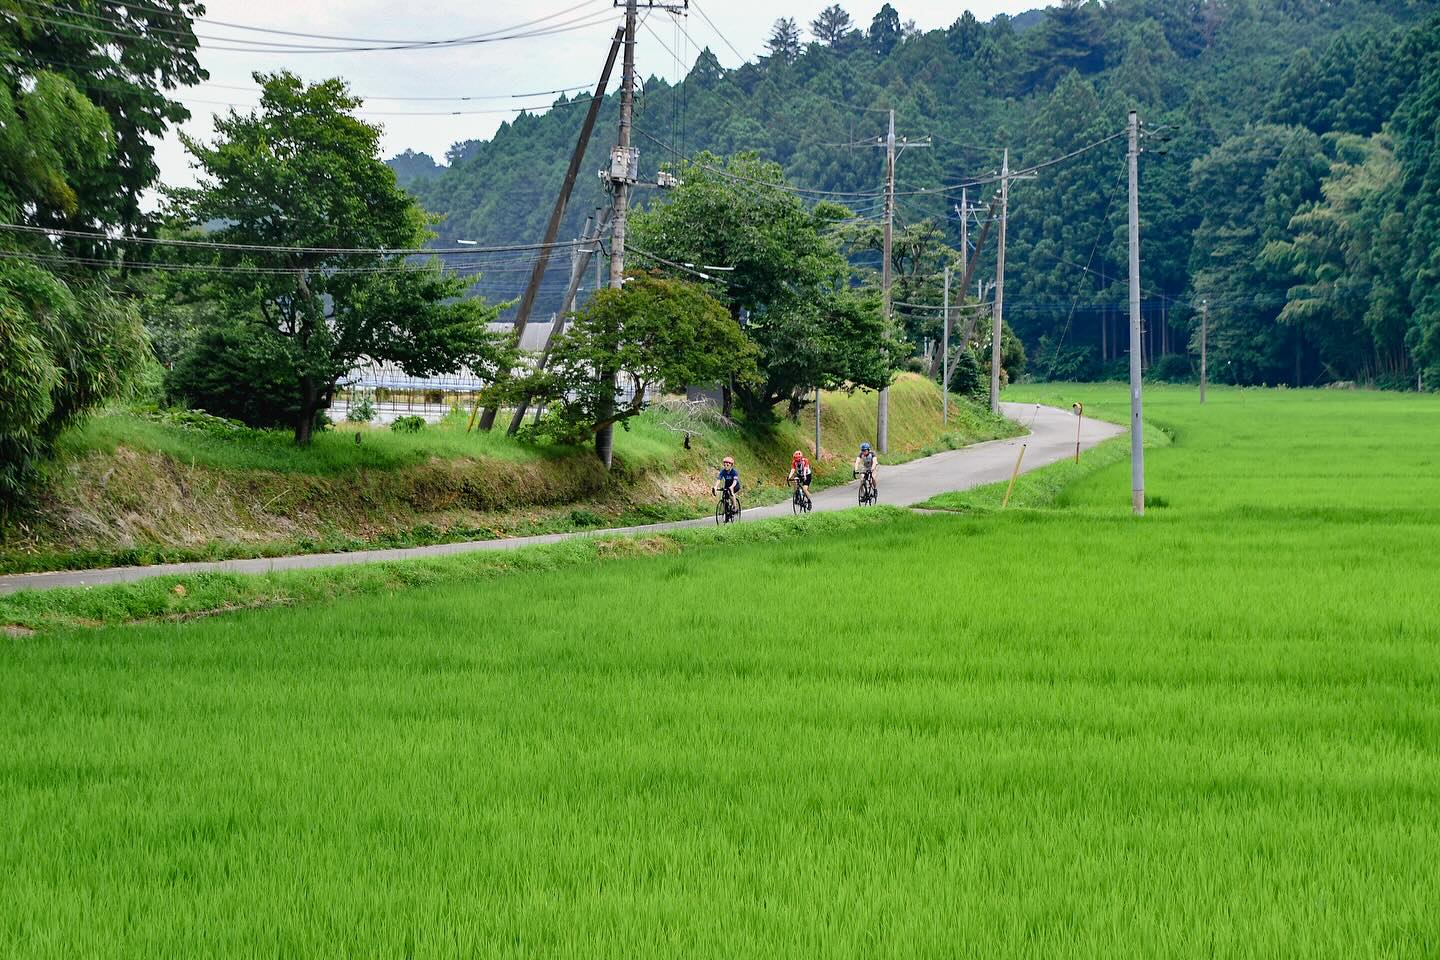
x=965, y=36
x=784, y=42
x=831, y=25
x=884, y=31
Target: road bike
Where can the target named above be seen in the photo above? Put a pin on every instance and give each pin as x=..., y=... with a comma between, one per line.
x=800, y=501
x=727, y=507
x=869, y=493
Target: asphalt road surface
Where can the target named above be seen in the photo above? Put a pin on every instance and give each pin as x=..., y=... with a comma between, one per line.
x=1051, y=438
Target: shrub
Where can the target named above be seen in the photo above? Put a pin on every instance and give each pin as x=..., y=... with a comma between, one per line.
x=1173, y=368
x=230, y=372
x=361, y=410
x=968, y=377
x=408, y=424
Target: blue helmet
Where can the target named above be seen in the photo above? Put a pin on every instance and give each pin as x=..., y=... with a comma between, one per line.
x=864, y=448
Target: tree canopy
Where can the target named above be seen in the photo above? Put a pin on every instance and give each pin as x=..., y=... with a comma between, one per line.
x=302, y=174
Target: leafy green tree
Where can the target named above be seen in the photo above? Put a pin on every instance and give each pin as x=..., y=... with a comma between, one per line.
x=918, y=255
x=790, y=283
x=124, y=58
x=302, y=171
x=831, y=25
x=66, y=345
x=651, y=334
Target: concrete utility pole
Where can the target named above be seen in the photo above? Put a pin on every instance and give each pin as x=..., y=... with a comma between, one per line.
x=1137, y=420
x=1204, y=335
x=998, y=322
x=882, y=412
x=945, y=355
x=817, y=424
x=624, y=171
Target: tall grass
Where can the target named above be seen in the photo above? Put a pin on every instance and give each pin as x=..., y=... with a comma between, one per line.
x=1035, y=733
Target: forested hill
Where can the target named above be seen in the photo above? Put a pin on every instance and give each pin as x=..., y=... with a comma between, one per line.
x=1290, y=176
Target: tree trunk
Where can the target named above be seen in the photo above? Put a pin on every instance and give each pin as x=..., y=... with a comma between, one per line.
x=727, y=401
x=309, y=406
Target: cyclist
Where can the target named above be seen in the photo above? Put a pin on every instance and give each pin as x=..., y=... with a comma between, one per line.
x=728, y=479
x=800, y=472
x=866, y=463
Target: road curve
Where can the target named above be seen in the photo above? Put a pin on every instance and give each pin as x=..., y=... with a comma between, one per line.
x=1051, y=438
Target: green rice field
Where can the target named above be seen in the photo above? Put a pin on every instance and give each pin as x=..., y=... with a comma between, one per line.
x=1053, y=731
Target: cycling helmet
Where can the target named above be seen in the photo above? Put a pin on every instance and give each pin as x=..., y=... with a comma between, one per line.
x=864, y=448
x=797, y=455
x=728, y=461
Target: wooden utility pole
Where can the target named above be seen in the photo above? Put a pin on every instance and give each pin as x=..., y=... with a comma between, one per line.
x=1204, y=335
x=882, y=411
x=557, y=213
x=1137, y=420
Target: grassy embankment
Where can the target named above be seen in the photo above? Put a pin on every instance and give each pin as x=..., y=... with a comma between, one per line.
x=133, y=491
x=1057, y=732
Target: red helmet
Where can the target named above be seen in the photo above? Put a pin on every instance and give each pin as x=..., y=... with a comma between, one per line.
x=798, y=455
x=729, y=461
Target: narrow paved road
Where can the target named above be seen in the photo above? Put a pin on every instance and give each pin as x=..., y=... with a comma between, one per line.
x=1052, y=438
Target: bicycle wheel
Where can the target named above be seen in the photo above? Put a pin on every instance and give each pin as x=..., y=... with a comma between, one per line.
x=809, y=504
x=797, y=504
x=720, y=511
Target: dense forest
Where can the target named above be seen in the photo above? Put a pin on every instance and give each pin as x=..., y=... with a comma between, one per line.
x=1289, y=178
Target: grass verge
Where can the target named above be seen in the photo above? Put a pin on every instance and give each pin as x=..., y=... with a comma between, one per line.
x=183, y=596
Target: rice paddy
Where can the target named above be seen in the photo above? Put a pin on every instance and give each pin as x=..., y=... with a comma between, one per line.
x=1049, y=732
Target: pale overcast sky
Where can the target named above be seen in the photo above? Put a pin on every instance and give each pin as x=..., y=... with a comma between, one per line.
x=481, y=70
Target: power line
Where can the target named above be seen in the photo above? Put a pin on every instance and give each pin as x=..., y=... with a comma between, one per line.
x=276, y=248
x=324, y=36
x=578, y=23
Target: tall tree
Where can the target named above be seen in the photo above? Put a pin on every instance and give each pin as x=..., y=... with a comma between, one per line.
x=965, y=36
x=784, y=42
x=125, y=58
x=66, y=341
x=884, y=31
x=302, y=171
x=831, y=25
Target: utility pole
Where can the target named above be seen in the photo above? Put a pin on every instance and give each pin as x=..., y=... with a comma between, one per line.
x=882, y=409
x=817, y=424
x=998, y=321
x=945, y=354
x=624, y=170
x=882, y=412
x=1137, y=420
x=964, y=212
x=1204, y=335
